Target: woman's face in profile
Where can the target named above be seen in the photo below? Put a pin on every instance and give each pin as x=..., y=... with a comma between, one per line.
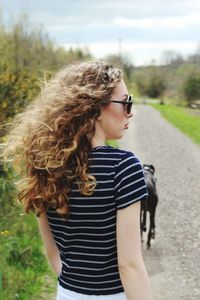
x=114, y=119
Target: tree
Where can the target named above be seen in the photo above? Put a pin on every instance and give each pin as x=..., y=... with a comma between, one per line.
x=191, y=88
x=151, y=82
x=173, y=58
x=27, y=56
x=156, y=87
x=141, y=83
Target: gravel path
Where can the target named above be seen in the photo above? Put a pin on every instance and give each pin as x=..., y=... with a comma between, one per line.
x=173, y=262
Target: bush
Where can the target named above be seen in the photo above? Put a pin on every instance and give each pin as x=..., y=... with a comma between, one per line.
x=191, y=88
x=156, y=87
x=151, y=82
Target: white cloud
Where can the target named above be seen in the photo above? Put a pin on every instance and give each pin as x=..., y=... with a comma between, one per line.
x=181, y=22
x=178, y=22
x=126, y=22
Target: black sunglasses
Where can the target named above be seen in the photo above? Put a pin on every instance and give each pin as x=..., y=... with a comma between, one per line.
x=127, y=104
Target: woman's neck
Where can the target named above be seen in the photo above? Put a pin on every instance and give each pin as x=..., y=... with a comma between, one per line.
x=98, y=141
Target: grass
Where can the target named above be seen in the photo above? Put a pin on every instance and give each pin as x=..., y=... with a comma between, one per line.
x=24, y=271
x=182, y=118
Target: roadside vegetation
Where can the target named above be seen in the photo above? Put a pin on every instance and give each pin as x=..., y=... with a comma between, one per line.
x=24, y=271
x=29, y=57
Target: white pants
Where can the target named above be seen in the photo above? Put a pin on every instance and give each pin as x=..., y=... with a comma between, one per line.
x=64, y=294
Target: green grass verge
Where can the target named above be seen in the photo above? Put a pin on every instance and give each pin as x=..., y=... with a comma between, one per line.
x=24, y=271
x=182, y=119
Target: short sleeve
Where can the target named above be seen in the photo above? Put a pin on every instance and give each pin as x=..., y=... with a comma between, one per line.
x=130, y=185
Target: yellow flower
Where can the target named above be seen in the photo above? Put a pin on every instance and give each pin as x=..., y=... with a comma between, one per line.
x=4, y=232
x=4, y=104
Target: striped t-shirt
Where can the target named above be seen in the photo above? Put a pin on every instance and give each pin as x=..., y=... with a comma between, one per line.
x=87, y=238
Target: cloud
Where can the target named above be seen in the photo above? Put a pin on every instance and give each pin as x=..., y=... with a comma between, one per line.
x=134, y=23
x=179, y=22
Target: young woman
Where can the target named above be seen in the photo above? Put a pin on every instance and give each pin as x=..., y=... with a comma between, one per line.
x=86, y=194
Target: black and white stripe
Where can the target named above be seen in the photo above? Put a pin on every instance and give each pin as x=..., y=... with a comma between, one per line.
x=87, y=238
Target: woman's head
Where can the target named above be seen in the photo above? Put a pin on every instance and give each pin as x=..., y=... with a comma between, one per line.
x=49, y=142
x=114, y=116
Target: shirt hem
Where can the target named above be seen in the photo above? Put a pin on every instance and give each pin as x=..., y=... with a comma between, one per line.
x=99, y=292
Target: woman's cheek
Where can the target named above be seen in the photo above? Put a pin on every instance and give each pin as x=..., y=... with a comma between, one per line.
x=117, y=114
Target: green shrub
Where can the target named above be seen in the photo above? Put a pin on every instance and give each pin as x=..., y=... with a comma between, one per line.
x=191, y=88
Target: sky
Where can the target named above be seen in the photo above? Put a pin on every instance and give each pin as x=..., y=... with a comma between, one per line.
x=142, y=31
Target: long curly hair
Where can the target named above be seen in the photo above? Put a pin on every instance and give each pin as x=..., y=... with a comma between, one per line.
x=48, y=143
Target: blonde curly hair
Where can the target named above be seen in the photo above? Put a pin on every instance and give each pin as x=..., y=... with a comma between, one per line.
x=48, y=143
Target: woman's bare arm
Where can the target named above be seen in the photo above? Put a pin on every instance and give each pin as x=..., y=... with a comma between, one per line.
x=49, y=243
x=132, y=270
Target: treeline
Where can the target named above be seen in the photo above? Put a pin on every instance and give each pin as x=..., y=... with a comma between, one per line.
x=176, y=81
